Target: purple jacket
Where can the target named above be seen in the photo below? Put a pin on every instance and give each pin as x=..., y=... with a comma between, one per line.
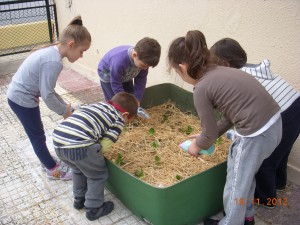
x=117, y=67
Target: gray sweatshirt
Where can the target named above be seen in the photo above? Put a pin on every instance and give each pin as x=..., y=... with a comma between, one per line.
x=36, y=77
x=241, y=99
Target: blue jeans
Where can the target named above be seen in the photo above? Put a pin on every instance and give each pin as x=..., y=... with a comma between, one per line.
x=33, y=126
x=109, y=93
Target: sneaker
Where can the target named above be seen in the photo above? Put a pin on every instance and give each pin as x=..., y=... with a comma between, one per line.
x=211, y=222
x=95, y=213
x=43, y=167
x=60, y=172
x=267, y=206
x=249, y=221
x=79, y=203
x=281, y=189
x=215, y=222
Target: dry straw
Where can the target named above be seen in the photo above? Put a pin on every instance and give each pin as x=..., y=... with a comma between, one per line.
x=148, y=148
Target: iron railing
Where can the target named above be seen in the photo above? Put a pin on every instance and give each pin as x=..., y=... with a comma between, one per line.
x=26, y=24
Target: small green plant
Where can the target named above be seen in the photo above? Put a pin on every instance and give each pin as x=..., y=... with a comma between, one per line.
x=119, y=161
x=139, y=173
x=188, y=130
x=157, y=160
x=218, y=141
x=151, y=131
x=178, y=177
x=154, y=144
x=166, y=115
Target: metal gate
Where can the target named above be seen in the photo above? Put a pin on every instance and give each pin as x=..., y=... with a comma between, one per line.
x=26, y=24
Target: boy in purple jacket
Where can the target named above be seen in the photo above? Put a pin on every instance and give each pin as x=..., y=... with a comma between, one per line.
x=125, y=68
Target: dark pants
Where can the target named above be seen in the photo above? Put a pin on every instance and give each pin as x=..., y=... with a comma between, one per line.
x=33, y=126
x=273, y=172
x=89, y=173
x=109, y=93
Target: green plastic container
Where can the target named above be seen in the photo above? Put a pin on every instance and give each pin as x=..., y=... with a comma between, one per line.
x=185, y=203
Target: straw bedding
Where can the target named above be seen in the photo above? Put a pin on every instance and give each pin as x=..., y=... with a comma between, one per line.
x=148, y=148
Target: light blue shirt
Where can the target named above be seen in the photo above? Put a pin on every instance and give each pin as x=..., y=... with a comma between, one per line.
x=36, y=77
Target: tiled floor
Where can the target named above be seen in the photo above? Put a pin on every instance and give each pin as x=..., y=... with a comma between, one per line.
x=28, y=197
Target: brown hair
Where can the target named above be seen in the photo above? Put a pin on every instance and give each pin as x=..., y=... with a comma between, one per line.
x=192, y=50
x=127, y=101
x=75, y=31
x=148, y=51
x=229, y=50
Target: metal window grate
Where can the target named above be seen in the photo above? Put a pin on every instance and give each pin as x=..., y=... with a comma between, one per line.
x=25, y=25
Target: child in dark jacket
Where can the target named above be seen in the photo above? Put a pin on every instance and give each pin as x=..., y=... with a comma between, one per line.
x=81, y=139
x=272, y=175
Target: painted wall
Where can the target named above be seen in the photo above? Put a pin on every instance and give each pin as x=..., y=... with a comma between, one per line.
x=265, y=29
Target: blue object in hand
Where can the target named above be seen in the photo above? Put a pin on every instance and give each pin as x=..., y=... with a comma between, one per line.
x=185, y=146
x=143, y=113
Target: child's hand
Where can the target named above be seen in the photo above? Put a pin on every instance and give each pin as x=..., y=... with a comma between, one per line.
x=193, y=136
x=69, y=111
x=193, y=149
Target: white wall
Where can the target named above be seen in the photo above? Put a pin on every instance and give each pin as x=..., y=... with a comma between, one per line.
x=265, y=29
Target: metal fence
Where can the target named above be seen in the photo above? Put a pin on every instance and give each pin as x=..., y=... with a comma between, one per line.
x=26, y=24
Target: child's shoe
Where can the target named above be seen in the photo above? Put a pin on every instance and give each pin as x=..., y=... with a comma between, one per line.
x=60, y=172
x=43, y=167
x=95, y=213
x=215, y=222
x=280, y=189
x=211, y=222
x=79, y=203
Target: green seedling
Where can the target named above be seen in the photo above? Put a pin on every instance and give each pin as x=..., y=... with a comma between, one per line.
x=157, y=160
x=166, y=115
x=178, y=177
x=151, y=131
x=154, y=144
x=119, y=161
x=188, y=130
x=218, y=141
x=139, y=173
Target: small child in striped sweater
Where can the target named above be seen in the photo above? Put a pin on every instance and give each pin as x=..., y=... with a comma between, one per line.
x=272, y=174
x=80, y=140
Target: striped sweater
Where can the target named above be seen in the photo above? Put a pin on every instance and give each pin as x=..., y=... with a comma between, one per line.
x=88, y=125
x=283, y=93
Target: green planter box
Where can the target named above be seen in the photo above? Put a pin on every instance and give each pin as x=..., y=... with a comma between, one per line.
x=185, y=203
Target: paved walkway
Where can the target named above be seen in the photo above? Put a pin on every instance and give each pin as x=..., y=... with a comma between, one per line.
x=28, y=197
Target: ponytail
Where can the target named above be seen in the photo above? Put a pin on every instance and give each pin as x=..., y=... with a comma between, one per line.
x=192, y=50
x=75, y=31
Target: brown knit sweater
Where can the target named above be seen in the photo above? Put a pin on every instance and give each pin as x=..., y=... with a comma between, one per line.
x=241, y=99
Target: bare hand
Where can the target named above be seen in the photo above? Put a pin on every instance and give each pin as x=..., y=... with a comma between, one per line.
x=193, y=149
x=193, y=136
x=69, y=111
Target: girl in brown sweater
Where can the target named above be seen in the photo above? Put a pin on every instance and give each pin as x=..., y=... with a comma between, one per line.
x=245, y=105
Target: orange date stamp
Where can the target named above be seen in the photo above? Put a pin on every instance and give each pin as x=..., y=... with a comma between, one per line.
x=270, y=201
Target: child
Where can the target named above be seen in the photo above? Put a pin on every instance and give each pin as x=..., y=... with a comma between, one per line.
x=36, y=78
x=272, y=174
x=244, y=104
x=125, y=68
x=80, y=140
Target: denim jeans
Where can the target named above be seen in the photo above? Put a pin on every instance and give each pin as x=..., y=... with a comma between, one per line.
x=33, y=126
